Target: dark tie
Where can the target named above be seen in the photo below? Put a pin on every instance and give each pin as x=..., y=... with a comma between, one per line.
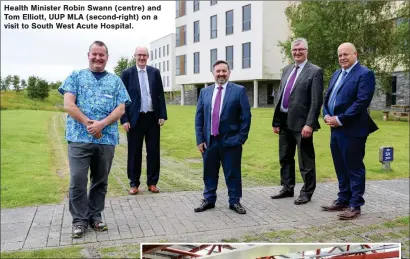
x=289, y=88
x=332, y=99
x=215, y=112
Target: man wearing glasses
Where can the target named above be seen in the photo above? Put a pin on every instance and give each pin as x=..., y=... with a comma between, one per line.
x=295, y=119
x=143, y=119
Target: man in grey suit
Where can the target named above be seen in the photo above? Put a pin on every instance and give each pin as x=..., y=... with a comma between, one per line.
x=295, y=119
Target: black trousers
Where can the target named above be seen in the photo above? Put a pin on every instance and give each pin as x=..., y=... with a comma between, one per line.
x=288, y=141
x=146, y=128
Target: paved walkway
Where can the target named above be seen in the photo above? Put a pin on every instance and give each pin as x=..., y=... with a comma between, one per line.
x=170, y=217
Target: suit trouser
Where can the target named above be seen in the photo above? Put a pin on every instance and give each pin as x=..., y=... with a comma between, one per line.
x=147, y=127
x=348, y=153
x=288, y=141
x=230, y=157
x=82, y=157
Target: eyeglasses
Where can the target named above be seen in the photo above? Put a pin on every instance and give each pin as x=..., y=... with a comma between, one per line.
x=296, y=50
x=141, y=55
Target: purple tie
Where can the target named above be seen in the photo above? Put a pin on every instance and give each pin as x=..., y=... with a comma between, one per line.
x=288, y=88
x=215, y=112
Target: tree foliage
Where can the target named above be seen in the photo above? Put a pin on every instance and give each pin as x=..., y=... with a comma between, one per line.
x=23, y=84
x=37, y=88
x=369, y=25
x=16, y=83
x=123, y=64
x=5, y=84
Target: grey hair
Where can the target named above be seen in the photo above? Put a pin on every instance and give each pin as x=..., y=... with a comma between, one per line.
x=299, y=40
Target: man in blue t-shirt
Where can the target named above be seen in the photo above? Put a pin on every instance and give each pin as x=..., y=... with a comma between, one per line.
x=94, y=100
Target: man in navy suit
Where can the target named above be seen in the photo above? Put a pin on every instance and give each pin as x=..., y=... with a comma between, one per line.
x=222, y=124
x=350, y=92
x=143, y=119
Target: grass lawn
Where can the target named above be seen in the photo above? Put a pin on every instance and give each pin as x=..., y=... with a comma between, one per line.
x=260, y=163
x=34, y=168
x=28, y=174
x=12, y=100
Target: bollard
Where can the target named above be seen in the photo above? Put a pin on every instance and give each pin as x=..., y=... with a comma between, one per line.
x=386, y=157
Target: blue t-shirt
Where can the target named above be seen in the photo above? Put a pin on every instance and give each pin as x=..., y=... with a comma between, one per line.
x=96, y=99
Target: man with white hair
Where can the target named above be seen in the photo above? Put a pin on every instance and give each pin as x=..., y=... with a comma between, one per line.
x=350, y=93
x=295, y=119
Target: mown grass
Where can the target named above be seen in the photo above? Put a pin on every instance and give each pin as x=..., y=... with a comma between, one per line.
x=27, y=161
x=34, y=152
x=260, y=154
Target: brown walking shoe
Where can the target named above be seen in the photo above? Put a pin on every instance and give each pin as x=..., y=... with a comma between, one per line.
x=335, y=206
x=133, y=190
x=349, y=213
x=153, y=188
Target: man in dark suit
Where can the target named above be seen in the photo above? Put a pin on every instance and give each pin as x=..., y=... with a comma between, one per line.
x=143, y=119
x=295, y=119
x=222, y=124
x=350, y=93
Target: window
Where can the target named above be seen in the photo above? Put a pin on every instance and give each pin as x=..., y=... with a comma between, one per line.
x=196, y=63
x=152, y=56
x=159, y=52
x=181, y=65
x=159, y=66
x=167, y=49
x=246, y=18
x=155, y=53
x=214, y=57
x=214, y=29
x=180, y=8
x=167, y=65
x=214, y=2
x=163, y=66
x=229, y=56
x=163, y=80
x=391, y=96
x=163, y=51
x=168, y=81
x=229, y=22
x=196, y=31
x=246, y=55
x=181, y=35
x=196, y=5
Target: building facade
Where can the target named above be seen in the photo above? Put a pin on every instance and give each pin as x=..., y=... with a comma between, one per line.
x=244, y=33
x=162, y=56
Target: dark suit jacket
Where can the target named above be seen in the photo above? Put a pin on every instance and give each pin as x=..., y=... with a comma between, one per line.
x=352, y=100
x=305, y=99
x=235, y=119
x=131, y=81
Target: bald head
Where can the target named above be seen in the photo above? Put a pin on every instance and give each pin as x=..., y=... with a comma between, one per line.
x=347, y=55
x=141, y=56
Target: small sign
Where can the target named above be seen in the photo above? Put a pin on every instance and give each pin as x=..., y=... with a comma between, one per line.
x=386, y=154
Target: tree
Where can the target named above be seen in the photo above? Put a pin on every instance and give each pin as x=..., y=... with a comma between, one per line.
x=42, y=88
x=123, y=64
x=16, y=83
x=325, y=25
x=23, y=84
x=5, y=86
x=54, y=85
x=402, y=35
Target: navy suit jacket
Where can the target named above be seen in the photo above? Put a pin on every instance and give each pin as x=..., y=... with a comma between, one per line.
x=352, y=100
x=235, y=118
x=131, y=81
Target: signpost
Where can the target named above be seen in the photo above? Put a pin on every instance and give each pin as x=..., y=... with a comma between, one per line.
x=386, y=157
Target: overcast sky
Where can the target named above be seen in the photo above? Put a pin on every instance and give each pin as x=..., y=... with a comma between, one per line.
x=54, y=54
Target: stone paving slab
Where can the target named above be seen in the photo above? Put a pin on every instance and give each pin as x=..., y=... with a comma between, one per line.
x=169, y=216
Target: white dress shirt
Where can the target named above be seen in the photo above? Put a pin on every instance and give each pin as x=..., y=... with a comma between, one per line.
x=150, y=108
x=214, y=97
x=287, y=80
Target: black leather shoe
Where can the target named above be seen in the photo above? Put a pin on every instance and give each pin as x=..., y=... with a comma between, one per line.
x=238, y=208
x=206, y=205
x=302, y=200
x=283, y=194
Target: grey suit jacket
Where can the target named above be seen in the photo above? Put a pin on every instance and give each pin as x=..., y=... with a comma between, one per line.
x=305, y=100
